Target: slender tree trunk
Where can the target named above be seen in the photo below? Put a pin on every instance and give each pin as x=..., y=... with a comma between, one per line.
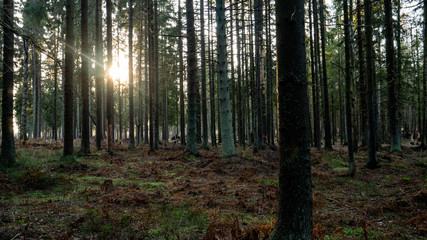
x=317, y=130
x=259, y=74
x=23, y=132
x=362, y=77
x=424, y=92
x=349, y=94
x=156, y=77
x=313, y=73
x=99, y=67
x=146, y=73
x=228, y=148
x=130, y=45
x=326, y=116
x=372, y=95
x=181, y=77
x=110, y=84
x=391, y=80
x=8, y=142
x=240, y=102
x=295, y=219
x=211, y=78
x=270, y=77
x=140, y=109
x=203, y=77
x=68, y=81
x=85, y=143
x=192, y=81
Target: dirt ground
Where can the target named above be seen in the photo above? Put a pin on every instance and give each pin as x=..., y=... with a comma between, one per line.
x=169, y=194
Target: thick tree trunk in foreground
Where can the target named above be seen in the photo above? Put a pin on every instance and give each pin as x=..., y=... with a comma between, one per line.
x=68, y=81
x=228, y=148
x=295, y=219
x=192, y=81
x=8, y=141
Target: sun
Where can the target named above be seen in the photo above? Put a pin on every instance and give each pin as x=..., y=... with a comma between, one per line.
x=119, y=71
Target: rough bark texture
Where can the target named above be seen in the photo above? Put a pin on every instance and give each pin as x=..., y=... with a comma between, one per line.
x=192, y=81
x=85, y=143
x=349, y=94
x=391, y=80
x=295, y=219
x=68, y=81
x=8, y=142
x=99, y=67
x=317, y=130
x=372, y=93
x=228, y=148
x=211, y=79
x=424, y=120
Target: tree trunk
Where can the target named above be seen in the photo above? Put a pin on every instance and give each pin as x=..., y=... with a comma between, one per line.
x=372, y=94
x=203, y=77
x=326, y=116
x=295, y=219
x=240, y=102
x=362, y=77
x=130, y=43
x=8, y=143
x=349, y=94
x=424, y=92
x=68, y=81
x=85, y=143
x=23, y=132
x=391, y=80
x=181, y=77
x=317, y=130
x=156, y=77
x=211, y=78
x=228, y=148
x=192, y=81
x=110, y=84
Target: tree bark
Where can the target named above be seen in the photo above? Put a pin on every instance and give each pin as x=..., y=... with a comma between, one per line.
x=192, y=81
x=68, y=81
x=372, y=93
x=23, y=132
x=349, y=94
x=131, y=113
x=85, y=143
x=110, y=84
x=295, y=219
x=228, y=148
x=203, y=77
x=8, y=142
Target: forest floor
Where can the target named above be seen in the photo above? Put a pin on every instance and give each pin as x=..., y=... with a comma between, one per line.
x=170, y=194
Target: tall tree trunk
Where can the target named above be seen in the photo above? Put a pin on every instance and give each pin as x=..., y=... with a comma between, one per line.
x=85, y=143
x=130, y=45
x=270, y=77
x=156, y=76
x=8, y=142
x=424, y=92
x=362, y=76
x=203, y=76
x=240, y=102
x=55, y=93
x=317, y=130
x=326, y=116
x=99, y=67
x=146, y=72
x=372, y=94
x=68, y=81
x=110, y=86
x=228, y=148
x=181, y=77
x=23, y=130
x=295, y=219
x=349, y=94
x=391, y=80
x=259, y=74
x=140, y=126
x=211, y=78
x=192, y=81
